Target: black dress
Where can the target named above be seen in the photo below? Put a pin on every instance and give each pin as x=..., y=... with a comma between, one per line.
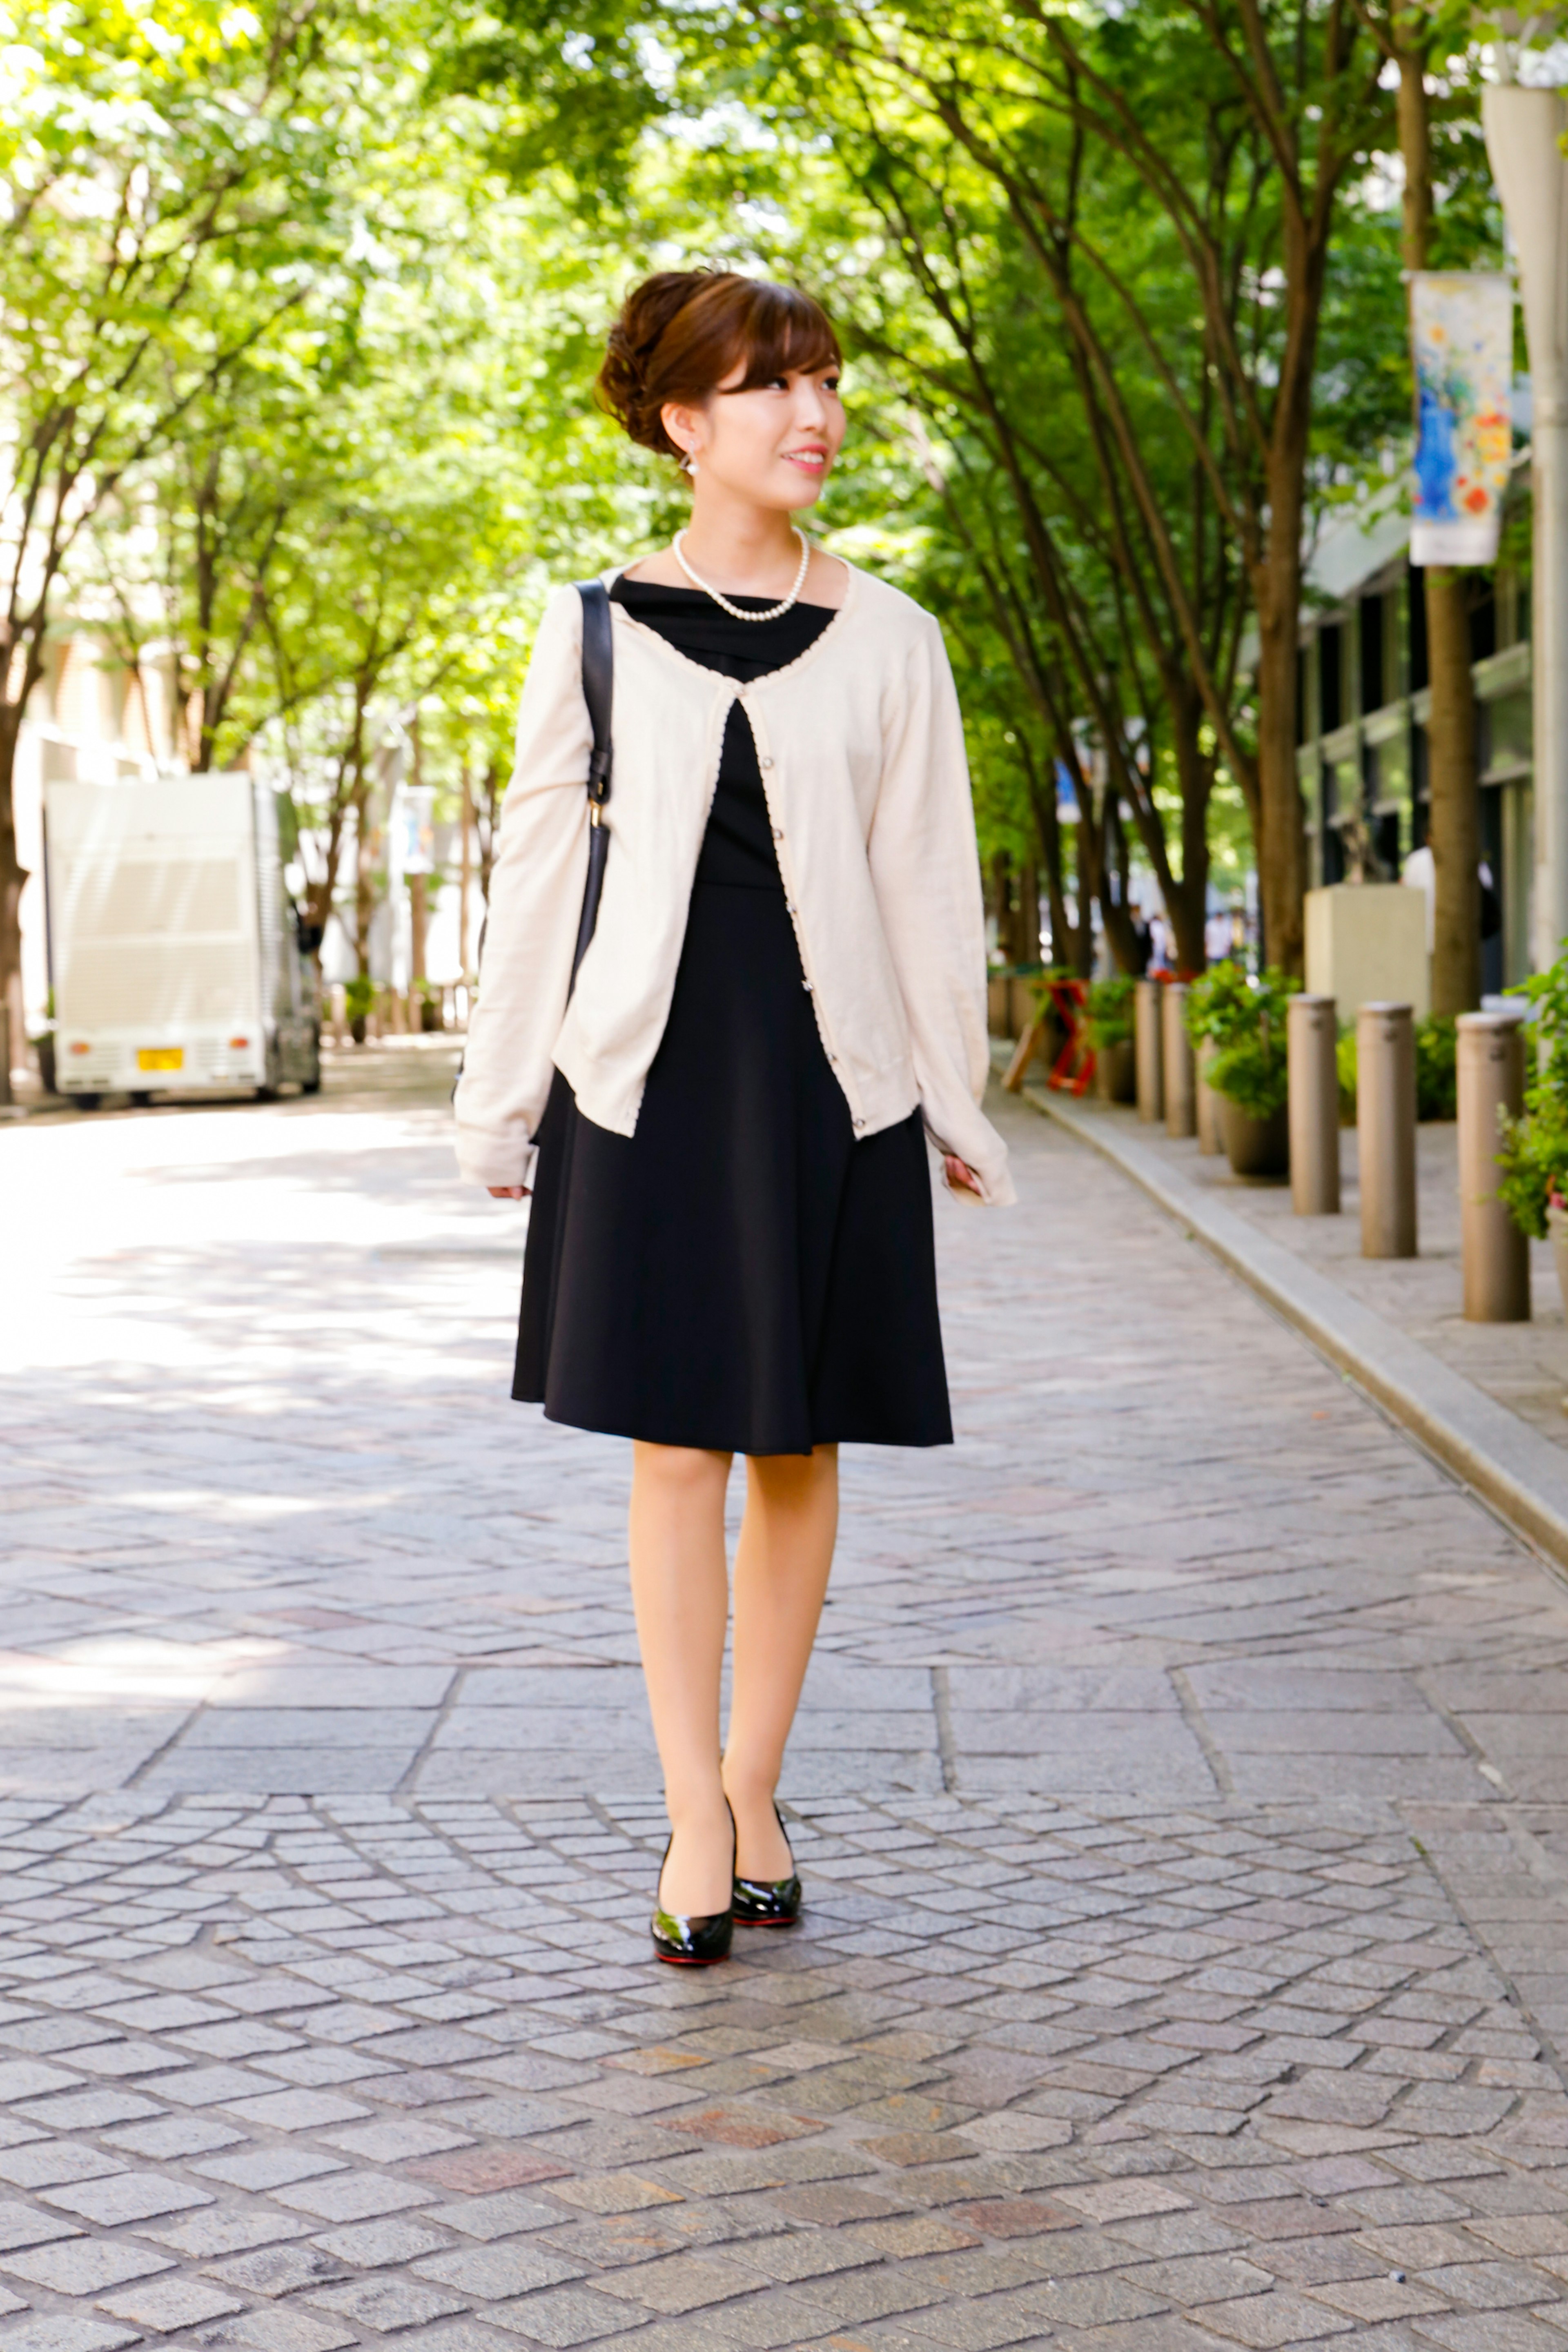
x=741, y=1274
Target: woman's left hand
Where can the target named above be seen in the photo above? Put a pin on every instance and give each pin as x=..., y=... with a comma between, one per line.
x=961, y=1178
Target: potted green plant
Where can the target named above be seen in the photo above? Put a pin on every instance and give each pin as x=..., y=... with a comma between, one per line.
x=44, y=1046
x=429, y=1008
x=359, y=1002
x=1242, y=1023
x=1437, y=1069
x=1533, y=1186
x=1108, y=1010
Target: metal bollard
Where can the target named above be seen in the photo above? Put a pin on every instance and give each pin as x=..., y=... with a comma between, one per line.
x=1385, y=1128
x=1146, y=1036
x=1311, y=1035
x=1210, y=1141
x=1176, y=1058
x=1496, y=1253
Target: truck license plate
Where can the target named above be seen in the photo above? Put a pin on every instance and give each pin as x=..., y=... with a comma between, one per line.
x=161, y=1058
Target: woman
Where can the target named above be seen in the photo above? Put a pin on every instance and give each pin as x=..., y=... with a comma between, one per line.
x=722, y=1122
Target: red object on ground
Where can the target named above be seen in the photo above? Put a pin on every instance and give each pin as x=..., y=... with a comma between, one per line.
x=1072, y=1072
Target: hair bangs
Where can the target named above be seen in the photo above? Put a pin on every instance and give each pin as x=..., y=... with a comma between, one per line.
x=784, y=332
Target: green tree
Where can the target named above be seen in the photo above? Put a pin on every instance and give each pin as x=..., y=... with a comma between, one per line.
x=168, y=199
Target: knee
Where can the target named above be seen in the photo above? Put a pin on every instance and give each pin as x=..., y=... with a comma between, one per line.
x=678, y=1472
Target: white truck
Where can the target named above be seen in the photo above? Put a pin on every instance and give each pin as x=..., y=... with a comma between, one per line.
x=176, y=964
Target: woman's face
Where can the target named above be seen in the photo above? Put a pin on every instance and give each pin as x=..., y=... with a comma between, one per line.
x=773, y=445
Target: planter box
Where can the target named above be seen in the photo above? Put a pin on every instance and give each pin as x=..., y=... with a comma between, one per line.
x=1255, y=1147
x=1557, y=1227
x=1115, y=1073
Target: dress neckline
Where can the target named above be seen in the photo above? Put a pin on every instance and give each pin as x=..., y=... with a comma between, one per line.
x=625, y=587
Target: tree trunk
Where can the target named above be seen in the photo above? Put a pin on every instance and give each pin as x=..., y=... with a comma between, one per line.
x=1282, y=831
x=13, y=874
x=1027, y=915
x=1048, y=829
x=468, y=873
x=1455, y=828
x=1454, y=812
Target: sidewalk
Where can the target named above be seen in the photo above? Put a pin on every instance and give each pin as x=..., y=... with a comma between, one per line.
x=1489, y=1400
x=1180, y=1792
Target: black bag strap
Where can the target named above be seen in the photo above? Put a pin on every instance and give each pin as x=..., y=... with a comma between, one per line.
x=598, y=693
x=598, y=688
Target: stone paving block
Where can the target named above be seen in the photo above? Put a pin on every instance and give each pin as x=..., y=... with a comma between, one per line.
x=84, y=2265
x=971, y=2327
x=385, y=2305
x=499, y=2271
x=277, y=2270
x=258, y=2168
x=1391, y=2296
x=565, y=2317
x=497, y=2216
x=1490, y=2331
x=126, y=2196
x=280, y=2328
x=165, y=2304
x=223, y=2231
x=50, y=2332
x=347, y=2196
x=1266, y=2320
x=24, y=2225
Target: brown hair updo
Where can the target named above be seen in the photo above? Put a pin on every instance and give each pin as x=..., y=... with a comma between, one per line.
x=681, y=332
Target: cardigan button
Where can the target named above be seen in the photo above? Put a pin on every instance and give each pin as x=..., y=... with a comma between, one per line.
x=766, y=762
x=778, y=833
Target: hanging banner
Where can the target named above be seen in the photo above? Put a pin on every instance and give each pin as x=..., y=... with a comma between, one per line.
x=1461, y=338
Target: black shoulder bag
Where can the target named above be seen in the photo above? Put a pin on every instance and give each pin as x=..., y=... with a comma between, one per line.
x=598, y=693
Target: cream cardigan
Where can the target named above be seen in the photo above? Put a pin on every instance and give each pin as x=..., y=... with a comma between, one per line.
x=863, y=765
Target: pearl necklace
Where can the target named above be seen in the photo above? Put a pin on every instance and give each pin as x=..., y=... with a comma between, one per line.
x=775, y=612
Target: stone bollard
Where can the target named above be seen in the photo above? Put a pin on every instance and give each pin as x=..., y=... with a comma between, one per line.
x=1385, y=1128
x=340, y=1014
x=1311, y=1035
x=1176, y=1061
x=1146, y=1038
x=1496, y=1253
x=1210, y=1139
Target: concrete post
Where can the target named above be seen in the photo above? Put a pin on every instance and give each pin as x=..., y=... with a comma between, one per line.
x=1524, y=129
x=1211, y=1142
x=1496, y=1253
x=1385, y=1128
x=1311, y=1035
x=1147, y=1041
x=1176, y=1054
x=338, y=999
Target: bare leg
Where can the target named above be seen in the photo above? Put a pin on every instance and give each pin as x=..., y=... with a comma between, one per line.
x=680, y=1594
x=781, y=1564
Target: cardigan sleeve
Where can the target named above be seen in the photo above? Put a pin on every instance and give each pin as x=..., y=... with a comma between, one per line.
x=535, y=901
x=925, y=870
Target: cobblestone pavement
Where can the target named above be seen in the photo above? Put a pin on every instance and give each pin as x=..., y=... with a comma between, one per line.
x=1180, y=1794
x=1523, y=1366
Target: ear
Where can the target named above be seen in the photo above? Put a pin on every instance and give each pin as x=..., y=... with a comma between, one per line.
x=684, y=426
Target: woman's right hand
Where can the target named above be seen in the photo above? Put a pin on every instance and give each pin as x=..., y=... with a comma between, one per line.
x=508, y=1191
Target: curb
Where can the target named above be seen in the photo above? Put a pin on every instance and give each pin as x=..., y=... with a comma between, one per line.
x=1520, y=1474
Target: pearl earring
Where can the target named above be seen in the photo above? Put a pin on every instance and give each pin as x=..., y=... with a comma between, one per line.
x=689, y=465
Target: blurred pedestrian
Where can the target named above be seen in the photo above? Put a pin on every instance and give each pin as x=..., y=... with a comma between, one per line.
x=724, y=1125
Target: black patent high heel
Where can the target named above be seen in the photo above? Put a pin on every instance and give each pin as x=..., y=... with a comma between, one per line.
x=694, y=1942
x=768, y=1902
